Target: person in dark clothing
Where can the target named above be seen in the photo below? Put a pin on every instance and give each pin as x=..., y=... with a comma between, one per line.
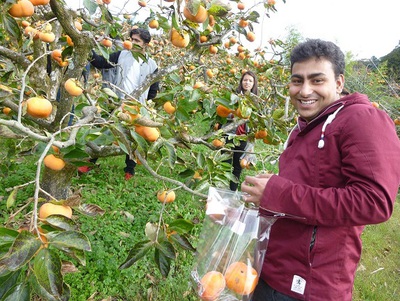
x=127, y=73
x=247, y=84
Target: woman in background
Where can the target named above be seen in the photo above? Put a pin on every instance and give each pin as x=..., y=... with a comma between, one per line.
x=248, y=84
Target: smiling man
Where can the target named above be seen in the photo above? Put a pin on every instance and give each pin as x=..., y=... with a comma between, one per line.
x=340, y=171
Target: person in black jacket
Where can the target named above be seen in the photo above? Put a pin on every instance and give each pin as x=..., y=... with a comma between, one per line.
x=126, y=72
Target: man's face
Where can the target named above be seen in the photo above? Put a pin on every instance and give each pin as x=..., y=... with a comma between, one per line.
x=137, y=41
x=313, y=87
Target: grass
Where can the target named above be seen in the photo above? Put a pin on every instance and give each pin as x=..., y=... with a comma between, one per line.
x=378, y=275
x=129, y=205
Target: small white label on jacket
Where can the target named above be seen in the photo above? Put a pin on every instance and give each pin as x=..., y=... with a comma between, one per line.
x=298, y=284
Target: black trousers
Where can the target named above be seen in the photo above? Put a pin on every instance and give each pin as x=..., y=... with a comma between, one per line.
x=130, y=164
x=264, y=292
x=235, y=161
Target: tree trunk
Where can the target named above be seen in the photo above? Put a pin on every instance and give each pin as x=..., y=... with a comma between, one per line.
x=57, y=183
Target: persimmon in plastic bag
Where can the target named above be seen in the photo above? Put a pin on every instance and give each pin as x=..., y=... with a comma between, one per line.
x=231, y=248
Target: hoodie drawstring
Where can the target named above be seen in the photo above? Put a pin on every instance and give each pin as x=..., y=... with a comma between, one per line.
x=287, y=139
x=321, y=142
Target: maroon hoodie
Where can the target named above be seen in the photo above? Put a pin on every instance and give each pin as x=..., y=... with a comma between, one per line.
x=334, y=187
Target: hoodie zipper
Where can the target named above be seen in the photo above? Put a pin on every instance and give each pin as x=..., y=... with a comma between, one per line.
x=281, y=214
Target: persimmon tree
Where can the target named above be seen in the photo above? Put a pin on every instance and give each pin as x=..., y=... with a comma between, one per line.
x=200, y=48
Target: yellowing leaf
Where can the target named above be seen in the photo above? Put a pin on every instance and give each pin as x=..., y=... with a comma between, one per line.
x=5, y=88
x=11, y=198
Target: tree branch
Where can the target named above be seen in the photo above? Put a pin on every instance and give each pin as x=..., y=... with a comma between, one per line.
x=17, y=57
x=175, y=182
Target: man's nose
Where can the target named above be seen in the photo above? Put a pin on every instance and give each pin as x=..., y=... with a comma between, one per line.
x=306, y=89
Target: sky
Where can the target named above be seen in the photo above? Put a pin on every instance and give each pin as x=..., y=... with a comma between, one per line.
x=365, y=28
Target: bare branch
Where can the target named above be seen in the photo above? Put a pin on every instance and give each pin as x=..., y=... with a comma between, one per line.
x=17, y=57
x=175, y=182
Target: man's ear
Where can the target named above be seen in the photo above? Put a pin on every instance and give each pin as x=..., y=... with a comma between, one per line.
x=340, y=83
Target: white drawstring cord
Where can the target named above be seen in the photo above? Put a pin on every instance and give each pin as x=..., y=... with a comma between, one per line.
x=321, y=142
x=287, y=139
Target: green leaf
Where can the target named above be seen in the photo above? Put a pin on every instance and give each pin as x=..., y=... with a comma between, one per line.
x=182, y=241
x=104, y=138
x=141, y=142
x=205, y=186
x=106, y=14
x=171, y=152
x=165, y=96
x=181, y=225
x=103, y=50
x=253, y=16
x=70, y=239
x=175, y=77
x=47, y=270
x=90, y=6
x=8, y=281
x=224, y=101
x=182, y=113
x=110, y=92
x=163, y=262
x=61, y=222
x=196, y=95
x=137, y=54
x=139, y=250
x=219, y=8
x=3, y=251
x=155, y=146
x=187, y=173
x=20, y=292
x=75, y=153
x=166, y=248
x=7, y=236
x=93, y=136
x=22, y=250
x=278, y=113
x=45, y=295
x=175, y=18
x=193, y=6
x=68, y=51
x=245, y=110
x=11, y=26
x=77, y=254
x=11, y=198
x=119, y=133
x=200, y=160
x=189, y=104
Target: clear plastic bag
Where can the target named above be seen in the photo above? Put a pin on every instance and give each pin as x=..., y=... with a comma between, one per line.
x=231, y=248
x=248, y=154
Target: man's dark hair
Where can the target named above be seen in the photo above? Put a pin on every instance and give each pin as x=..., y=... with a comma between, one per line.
x=144, y=34
x=319, y=49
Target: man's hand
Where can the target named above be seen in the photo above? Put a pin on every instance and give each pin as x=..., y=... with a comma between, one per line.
x=254, y=187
